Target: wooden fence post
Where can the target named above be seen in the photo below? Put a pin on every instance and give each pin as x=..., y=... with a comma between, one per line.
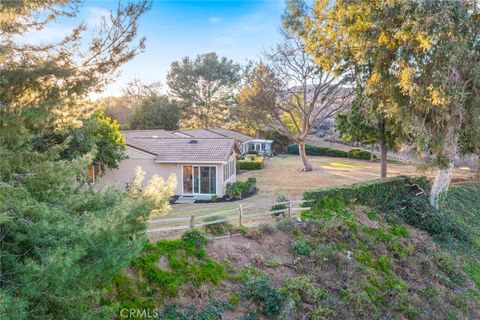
x=289, y=208
x=240, y=215
x=192, y=222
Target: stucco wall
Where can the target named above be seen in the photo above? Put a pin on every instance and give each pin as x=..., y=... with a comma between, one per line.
x=126, y=170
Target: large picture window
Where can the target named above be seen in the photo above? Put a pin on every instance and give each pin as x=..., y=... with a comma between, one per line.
x=204, y=179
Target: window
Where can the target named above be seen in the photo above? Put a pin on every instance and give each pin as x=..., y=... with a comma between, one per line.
x=229, y=169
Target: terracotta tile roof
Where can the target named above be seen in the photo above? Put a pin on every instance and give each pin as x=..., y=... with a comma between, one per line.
x=175, y=148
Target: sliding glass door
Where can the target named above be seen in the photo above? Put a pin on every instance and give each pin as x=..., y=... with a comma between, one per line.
x=204, y=179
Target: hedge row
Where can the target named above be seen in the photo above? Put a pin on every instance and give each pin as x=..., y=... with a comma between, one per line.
x=254, y=164
x=329, y=152
x=385, y=194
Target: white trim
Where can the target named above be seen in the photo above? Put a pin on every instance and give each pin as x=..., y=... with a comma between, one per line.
x=193, y=188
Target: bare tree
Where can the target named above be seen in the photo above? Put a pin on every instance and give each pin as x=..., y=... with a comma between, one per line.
x=136, y=91
x=296, y=93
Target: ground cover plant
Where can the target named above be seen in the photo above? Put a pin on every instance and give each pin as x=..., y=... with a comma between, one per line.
x=351, y=258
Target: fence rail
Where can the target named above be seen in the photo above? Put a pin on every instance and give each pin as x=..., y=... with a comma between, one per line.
x=240, y=214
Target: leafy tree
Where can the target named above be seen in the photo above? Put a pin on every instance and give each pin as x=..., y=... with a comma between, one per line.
x=244, y=118
x=294, y=92
x=101, y=134
x=204, y=87
x=61, y=243
x=155, y=112
x=357, y=125
x=416, y=61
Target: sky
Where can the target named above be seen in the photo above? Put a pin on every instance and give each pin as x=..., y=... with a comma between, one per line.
x=239, y=30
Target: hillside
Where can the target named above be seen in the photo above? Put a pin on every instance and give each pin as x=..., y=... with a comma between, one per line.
x=369, y=251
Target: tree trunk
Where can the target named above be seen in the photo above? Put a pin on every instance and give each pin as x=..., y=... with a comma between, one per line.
x=444, y=175
x=372, y=156
x=307, y=166
x=383, y=148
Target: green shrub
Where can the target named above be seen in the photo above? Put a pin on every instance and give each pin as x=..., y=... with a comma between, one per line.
x=384, y=194
x=360, y=154
x=195, y=237
x=304, y=287
x=275, y=207
x=262, y=291
x=301, y=247
x=317, y=151
x=255, y=163
x=241, y=189
x=330, y=152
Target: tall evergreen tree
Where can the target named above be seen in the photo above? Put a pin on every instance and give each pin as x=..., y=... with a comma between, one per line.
x=204, y=86
x=61, y=243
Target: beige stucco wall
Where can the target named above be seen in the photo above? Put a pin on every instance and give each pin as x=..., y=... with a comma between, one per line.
x=126, y=170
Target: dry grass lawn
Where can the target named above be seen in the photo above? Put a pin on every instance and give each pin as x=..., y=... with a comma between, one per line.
x=281, y=175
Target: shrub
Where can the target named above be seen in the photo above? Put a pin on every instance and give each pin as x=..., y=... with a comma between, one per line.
x=385, y=194
x=195, y=237
x=360, y=154
x=305, y=286
x=330, y=152
x=255, y=163
x=317, y=151
x=275, y=207
x=262, y=291
x=241, y=189
x=301, y=247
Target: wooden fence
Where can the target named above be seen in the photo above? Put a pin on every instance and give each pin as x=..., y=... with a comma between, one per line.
x=241, y=214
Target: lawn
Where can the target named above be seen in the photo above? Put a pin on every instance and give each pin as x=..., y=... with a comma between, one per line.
x=281, y=175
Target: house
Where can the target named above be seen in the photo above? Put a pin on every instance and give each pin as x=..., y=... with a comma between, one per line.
x=203, y=165
x=245, y=143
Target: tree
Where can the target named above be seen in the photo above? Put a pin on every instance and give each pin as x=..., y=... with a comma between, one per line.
x=205, y=89
x=155, y=112
x=61, y=242
x=136, y=91
x=357, y=125
x=419, y=58
x=295, y=93
x=244, y=118
x=100, y=134
x=335, y=36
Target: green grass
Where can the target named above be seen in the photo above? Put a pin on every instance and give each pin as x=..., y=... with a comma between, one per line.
x=184, y=261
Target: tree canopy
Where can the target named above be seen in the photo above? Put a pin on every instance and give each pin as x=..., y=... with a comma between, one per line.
x=204, y=87
x=293, y=92
x=417, y=61
x=62, y=242
x=155, y=112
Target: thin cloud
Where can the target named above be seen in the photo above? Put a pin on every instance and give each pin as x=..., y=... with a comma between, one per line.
x=214, y=20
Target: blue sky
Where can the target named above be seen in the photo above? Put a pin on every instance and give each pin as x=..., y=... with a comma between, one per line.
x=239, y=30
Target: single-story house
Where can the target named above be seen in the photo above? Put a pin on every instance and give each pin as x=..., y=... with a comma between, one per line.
x=203, y=166
x=245, y=143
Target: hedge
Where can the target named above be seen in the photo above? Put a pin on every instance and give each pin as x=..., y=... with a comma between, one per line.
x=254, y=164
x=330, y=152
x=385, y=194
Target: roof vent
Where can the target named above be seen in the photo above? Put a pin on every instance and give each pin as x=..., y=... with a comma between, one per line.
x=193, y=141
